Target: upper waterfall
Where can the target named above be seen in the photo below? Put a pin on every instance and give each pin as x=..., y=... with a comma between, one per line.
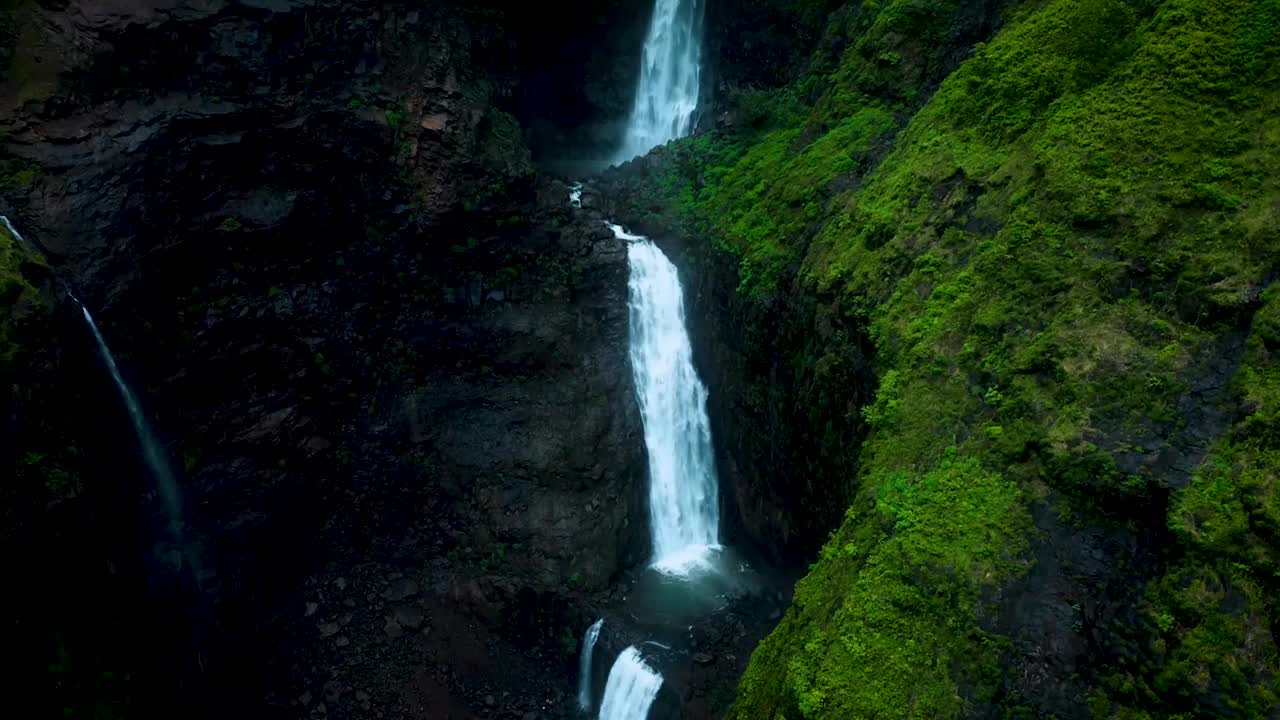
x=684, y=497
x=670, y=70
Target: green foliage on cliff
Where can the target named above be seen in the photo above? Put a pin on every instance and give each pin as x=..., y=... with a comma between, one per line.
x=885, y=618
x=1057, y=257
x=18, y=297
x=1214, y=609
x=16, y=174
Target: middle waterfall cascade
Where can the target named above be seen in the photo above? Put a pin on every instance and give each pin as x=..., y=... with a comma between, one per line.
x=584, y=665
x=667, y=95
x=683, y=493
x=631, y=689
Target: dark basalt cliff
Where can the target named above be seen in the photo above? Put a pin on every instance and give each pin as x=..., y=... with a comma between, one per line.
x=380, y=350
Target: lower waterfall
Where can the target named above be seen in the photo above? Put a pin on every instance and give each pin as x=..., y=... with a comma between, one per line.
x=631, y=689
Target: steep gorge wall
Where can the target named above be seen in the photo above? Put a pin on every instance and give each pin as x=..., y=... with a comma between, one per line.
x=1060, y=265
x=369, y=334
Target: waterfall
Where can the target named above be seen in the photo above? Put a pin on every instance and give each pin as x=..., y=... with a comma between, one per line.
x=13, y=232
x=584, y=665
x=667, y=94
x=631, y=688
x=683, y=494
x=155, y=459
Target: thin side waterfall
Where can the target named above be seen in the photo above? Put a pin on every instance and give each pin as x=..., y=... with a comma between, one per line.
x=683, y=494
x=670, y=70
x=8, y=226
x=631, y=689
x=584, y=665
x=154, y=457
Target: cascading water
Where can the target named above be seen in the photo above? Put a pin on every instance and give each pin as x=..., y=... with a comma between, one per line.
x=8, y=227
x=154, y=457
x=584, y=665
x=667, y=95
x=683, y=494
x=631, y=689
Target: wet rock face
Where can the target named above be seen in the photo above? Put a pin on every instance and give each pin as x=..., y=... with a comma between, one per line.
x=540, y=429
x=283, y=204
x=147, y=119
x=312, y=233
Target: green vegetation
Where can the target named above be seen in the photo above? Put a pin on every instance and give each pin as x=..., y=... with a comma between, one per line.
x=16, y=174
x=886, y=616
x=1049, y=254
x=1213, y=608
x=19, y=299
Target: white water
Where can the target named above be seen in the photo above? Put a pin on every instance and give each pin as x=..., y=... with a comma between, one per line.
x=8, y=226
x=575, y=195
x=684, y=509
x=667, y=94
x=151, y=453
x=584, y=665
x=631, y=688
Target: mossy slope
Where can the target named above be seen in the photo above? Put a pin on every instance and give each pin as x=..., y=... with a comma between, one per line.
x=1057, y=256
x=19, y=298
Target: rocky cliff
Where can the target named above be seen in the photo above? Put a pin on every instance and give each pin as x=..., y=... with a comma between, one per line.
x=380, y=350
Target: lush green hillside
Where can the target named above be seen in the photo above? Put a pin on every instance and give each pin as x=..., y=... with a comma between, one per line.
x=18, y=297
x=1063, y=255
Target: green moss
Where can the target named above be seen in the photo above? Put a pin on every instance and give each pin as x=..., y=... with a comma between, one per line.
x=1215, y=610
x=1046, y=255
x=19, y=299
x=502, y=142
x=16, y=174
x=885, y=624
